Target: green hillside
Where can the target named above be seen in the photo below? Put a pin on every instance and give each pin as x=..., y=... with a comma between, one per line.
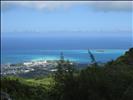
x=26, y=89
x=112, y=81
x=127, y=58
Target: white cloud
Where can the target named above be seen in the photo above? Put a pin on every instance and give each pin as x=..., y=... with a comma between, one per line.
x=51, y=5
x=113, y=6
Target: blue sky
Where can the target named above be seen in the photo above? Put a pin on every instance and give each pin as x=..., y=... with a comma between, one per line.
x=55, y=19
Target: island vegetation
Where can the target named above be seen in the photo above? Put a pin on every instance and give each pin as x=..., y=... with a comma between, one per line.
x=111, y=81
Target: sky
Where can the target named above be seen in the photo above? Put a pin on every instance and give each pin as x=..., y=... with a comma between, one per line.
x=66, y=18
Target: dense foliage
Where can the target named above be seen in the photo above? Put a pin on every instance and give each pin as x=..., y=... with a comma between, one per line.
x=113, y=81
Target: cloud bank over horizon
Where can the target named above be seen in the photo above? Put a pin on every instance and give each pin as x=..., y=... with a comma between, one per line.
x=105, y=6
x=81, y=23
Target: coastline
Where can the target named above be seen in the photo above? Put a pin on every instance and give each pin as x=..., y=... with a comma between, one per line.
x=27, y=67
x=81, y=56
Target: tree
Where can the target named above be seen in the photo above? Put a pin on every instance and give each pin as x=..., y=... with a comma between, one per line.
x=93, y=60
x=64, y=79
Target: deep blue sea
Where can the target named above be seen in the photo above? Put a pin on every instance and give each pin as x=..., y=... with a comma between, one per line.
x=18, y=50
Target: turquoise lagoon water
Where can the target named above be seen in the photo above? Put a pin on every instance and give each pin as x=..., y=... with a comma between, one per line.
x=18, y=50
x=79, y=56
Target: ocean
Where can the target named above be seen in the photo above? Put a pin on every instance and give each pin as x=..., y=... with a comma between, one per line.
x=80, y=56
x=18, y=50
